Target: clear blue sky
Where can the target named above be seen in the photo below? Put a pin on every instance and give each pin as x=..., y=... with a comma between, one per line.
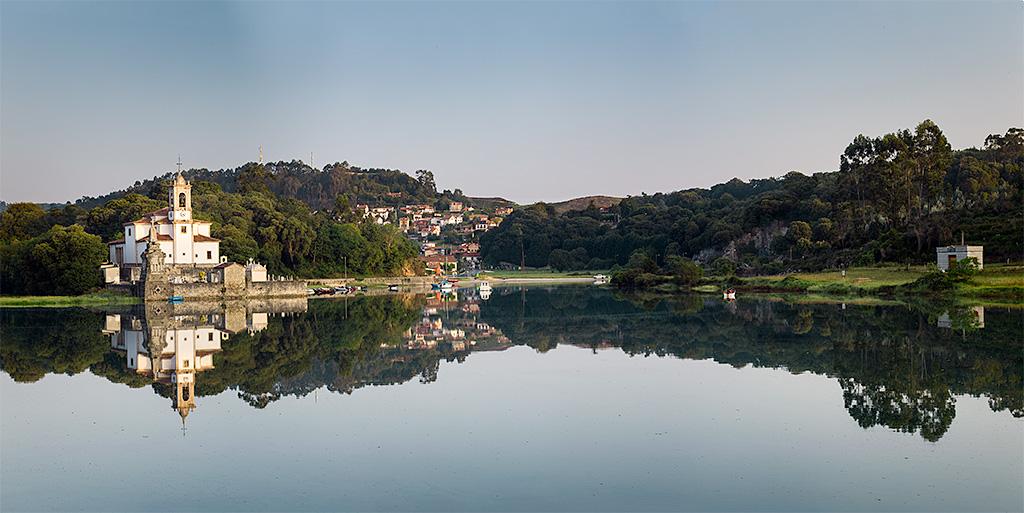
x=528, y=100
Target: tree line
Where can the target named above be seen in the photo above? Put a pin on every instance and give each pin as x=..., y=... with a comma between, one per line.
x=894, y=198
x=58, y=251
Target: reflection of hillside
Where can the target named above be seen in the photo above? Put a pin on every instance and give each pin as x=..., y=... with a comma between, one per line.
x=896, y=366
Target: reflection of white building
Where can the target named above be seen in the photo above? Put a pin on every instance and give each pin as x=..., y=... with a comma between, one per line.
x=170, y=355
x=945, y=321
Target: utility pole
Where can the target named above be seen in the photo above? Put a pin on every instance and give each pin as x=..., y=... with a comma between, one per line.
x=261, y=154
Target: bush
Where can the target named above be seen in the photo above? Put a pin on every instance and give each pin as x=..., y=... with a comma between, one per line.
x=684, y=271
x=962, y=270
x=723, y=267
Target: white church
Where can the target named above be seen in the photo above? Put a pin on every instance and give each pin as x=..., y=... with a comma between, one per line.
x=183, y=239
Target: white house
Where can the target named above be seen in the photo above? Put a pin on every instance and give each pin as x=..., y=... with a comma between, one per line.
x=183, y=239
x=945, y=256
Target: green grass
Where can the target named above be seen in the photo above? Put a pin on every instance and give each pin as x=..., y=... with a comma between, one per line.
x=865, y=278
x=539, y=273
x=94, y=299
x=996, y=281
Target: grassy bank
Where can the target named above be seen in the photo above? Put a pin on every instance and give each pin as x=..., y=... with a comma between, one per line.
x=539, y=273
x=103, y=298
x=996, y=282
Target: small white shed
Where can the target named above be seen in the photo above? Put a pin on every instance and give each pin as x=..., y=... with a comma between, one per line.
x=945, y=256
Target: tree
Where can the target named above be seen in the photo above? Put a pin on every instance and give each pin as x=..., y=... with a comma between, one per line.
x=62, y=261
x=723, y=267
x=426, y=179
x=560, y=259
x=22, y=221
x=799, y=230
x=683, y=270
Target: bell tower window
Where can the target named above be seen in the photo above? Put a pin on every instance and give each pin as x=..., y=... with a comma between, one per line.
x=181, y=200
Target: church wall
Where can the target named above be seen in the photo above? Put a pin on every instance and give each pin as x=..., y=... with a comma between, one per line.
x=200, y=252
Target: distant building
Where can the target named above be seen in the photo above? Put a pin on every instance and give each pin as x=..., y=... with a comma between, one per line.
x=503, y=211
x=946, y=256
x=455, y=206
x=441, y=264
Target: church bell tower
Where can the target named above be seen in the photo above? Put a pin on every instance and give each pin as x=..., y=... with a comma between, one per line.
x=180, y=200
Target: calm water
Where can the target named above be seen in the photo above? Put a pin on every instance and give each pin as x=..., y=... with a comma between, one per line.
x=568, y=398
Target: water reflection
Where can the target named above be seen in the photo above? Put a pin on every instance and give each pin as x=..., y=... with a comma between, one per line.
x=170, y=344
x=896, y=366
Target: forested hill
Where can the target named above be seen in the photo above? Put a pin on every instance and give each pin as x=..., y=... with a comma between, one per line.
x=894, y=198
x=318, y=188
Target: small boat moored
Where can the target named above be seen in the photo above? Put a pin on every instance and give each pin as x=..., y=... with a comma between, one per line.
x=393, y=287
x=484, y=286
x=729, y=295
x=176, y=299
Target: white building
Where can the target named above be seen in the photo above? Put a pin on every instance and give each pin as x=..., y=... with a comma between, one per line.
x=946, y=256
x=183, y=239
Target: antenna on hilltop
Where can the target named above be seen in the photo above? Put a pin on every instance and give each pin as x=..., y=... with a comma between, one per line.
x=261, y=154
x=311, y=164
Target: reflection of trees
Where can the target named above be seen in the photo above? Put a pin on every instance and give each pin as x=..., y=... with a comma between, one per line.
x=928, y=411
x=40, y=341
x=895, y=367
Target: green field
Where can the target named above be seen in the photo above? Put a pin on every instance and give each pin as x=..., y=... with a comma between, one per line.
x=539, y=273
x=996, y=281
x=94, y=299
x=867, y=278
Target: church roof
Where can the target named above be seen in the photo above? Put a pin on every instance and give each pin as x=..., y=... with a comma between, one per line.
x=118, y=241
x=159, y=236
x=150, y=217
x=203, y=238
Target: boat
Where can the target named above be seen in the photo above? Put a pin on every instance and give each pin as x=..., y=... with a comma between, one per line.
x=342, y=289
x=442, y=285
x=393, y=287
x=324, y=291
x=484, y=286
x=729, y=295
x=600, y=277
x=176, y=299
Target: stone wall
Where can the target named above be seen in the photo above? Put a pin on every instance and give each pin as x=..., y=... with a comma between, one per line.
x=247, y=290
x=160, y=281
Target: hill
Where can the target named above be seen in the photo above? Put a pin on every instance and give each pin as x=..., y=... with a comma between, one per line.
x=894, y=198
x=600, y=202
x=317, y=188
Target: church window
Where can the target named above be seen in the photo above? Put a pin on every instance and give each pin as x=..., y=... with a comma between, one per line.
x=181, y=200
x=186, y=364
x=209, y=255
x=211, y=336
x=129, y=232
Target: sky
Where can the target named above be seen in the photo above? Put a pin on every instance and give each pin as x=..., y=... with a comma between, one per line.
x=526, y=100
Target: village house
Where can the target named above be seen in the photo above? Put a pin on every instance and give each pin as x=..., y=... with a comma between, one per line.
x=455, y=206
x=503, y=211
x=441, y=264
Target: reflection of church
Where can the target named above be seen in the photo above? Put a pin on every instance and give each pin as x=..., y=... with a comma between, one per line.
x=173, y=343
